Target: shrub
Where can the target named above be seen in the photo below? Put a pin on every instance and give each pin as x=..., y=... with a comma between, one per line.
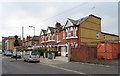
x=39, y=50
x=29, y=50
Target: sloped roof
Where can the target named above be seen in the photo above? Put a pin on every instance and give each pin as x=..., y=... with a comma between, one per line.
x=35, y=38
x=44, y=31
x=79, y=21
x=52, y=29
x=109, y=34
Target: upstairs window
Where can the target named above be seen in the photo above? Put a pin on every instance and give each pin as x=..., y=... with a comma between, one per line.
x=104, y=37
x=48, y=37
x=74, y=33
x=97, y=35
x=68, y=33
x=63, y=35
x=52, y=37
x=43, y=38
x=57, y=37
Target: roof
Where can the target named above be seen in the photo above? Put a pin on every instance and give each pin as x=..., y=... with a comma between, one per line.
x=52, y=29
x=109, y=34
x=35, y=38
x=79, y=21
x=95, y=16
x=44, y=31
x=11, y=37
x=60, y=28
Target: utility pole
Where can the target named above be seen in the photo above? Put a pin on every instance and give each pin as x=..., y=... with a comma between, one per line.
x=22, y=32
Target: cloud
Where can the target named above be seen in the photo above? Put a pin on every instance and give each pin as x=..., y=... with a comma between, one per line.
x=14, y=15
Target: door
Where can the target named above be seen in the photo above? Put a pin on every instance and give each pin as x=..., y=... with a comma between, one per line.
x=63, y=51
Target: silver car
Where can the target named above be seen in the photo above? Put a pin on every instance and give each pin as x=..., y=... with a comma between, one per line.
x=8, y=53
x=0, y=51
x=32, y=56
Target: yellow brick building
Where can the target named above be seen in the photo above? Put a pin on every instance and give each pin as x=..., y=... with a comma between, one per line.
x=90, y=31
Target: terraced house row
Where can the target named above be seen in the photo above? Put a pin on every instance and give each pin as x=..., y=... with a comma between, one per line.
x=73, y=34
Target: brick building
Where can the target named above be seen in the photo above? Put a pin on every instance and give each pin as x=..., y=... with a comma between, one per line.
x=74, y=33
x=31, y=41
x=8, y=43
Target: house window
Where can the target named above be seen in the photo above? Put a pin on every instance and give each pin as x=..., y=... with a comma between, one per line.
x=57, y=37
x=63, y=35
x=104, y=37
x=97, y=35
x=48, y=37
x=43, y=38
x=68, y=33
x=52, y=37
x=74, y=32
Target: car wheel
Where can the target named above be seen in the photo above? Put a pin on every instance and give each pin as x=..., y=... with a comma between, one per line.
x=28, y=61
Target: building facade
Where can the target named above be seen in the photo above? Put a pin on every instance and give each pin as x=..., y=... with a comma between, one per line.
x=8, y=43
x=73, y=34
x=31, y=41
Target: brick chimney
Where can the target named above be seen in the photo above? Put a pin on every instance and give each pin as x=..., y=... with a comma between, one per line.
x=57, y=25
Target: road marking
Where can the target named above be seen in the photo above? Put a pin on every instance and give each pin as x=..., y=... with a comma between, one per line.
x=63, y=68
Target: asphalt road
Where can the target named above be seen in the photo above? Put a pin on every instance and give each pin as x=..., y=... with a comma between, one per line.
x=21, y=67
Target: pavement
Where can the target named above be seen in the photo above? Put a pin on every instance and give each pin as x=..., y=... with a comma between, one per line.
x=79, y=67
x=57, y=60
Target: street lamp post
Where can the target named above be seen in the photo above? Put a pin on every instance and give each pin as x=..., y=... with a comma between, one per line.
x=34, y=29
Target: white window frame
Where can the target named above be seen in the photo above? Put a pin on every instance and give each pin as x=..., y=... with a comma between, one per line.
x=63, y=35
x=57, y=37
x=52, y=36
x=48, y=37
x=68, y=33
x=74, y=32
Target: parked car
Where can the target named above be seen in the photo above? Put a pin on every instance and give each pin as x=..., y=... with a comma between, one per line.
x=16, y=55
x=5, y=51
x=8, y=53
x=0, y=51
x=32, y=56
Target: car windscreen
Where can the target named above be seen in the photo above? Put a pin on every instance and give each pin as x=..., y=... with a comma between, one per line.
x=35, y=53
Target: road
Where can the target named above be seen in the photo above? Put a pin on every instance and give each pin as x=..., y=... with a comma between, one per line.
x=21, y=67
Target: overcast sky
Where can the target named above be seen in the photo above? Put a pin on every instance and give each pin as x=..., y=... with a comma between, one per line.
x=14, y=15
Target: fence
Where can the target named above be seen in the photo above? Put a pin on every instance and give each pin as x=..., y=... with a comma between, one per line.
x=96, y=52
x=84, y=53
